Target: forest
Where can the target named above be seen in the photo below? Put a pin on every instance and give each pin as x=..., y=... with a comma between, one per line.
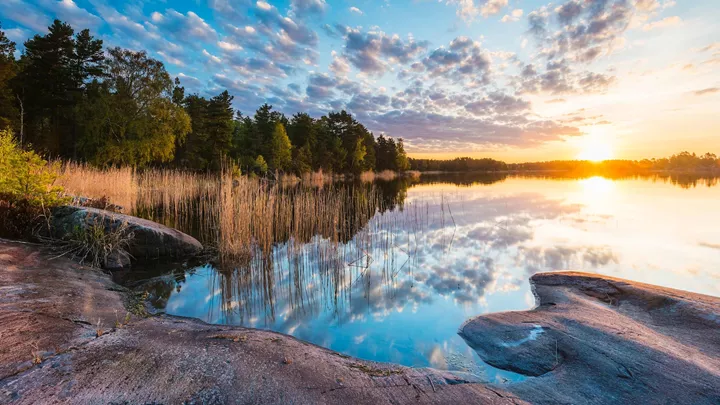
x=70, y=98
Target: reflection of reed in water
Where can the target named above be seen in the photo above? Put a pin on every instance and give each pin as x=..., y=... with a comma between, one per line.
x=310, y=245
x=326, y=274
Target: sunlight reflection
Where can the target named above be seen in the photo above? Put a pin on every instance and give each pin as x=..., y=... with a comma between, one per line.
x=597, y=187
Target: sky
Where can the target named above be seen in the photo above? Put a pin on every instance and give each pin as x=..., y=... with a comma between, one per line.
x=517, y=80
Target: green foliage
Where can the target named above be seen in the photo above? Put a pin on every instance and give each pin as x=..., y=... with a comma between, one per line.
x=279, y=151
x=401, y=160
x=141, y=123
x=260, y=167
x=303, y=160
x=75, y=100
x=54, y=71
x=26, y=177
x=8, y=70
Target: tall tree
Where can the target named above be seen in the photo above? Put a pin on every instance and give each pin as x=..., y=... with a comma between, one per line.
x=401, y=160
x=302, y=130
x=8, y=69
x=279, y=148
x=190, y=151
x=342, y=125
x=143, y=124
x=88, y=63
x=263, y=129
x=178, y=93
x=369, y=143
x=219, y=129
x=45, y=83
x=56, y=68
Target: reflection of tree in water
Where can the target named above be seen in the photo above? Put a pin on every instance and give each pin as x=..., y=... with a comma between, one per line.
x=464, y=179
x=364, y=258
x=329, y=276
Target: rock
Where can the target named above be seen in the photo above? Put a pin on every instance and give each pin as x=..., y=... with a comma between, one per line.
x=594, y=339
x=151, y=240
x=56, y=304
x=117, y=260
x=616, y=341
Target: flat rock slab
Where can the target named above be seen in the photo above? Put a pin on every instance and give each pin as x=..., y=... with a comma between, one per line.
x=171, y=360
x=595, y=340
x=151, y=240
x=591, y=340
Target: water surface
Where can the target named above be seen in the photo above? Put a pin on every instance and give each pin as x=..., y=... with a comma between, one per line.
x=447, y=248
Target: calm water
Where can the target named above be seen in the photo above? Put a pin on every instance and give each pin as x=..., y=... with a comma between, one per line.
x=453, y=247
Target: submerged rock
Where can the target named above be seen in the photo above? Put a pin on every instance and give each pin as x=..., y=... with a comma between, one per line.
x=150, y=241
x=594, y=339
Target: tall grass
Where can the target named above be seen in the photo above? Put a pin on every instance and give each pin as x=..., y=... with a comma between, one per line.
x=81, y=180
x=274, y=237
x=240, y=216
x=387, y=175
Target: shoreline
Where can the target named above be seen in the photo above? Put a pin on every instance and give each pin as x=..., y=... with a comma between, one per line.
x=170, y=359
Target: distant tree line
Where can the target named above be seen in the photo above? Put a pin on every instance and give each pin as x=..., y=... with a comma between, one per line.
x=70, y=98
x=463, y=164
x=684, y=162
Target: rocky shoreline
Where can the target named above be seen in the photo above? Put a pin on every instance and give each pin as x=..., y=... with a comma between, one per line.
x=592, y=339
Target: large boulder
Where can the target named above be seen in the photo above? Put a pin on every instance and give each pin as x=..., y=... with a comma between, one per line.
x=595, y=339
x=151, y=240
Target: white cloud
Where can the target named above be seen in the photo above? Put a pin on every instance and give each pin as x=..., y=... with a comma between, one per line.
x=68, y=11
x=17, y=35
x=229, y=46
x=356, y=10
x=170, y=59
x=211, y=57
x=492, y=7
x=469, y=9
x=665, y=22
x=24, y=14
x=339, y=66
x=513, y=17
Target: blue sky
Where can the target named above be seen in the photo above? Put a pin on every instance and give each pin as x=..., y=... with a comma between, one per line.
x=511, y=79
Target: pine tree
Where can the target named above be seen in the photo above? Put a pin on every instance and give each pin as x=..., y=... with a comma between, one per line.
x=219, y=129
x=8, y=69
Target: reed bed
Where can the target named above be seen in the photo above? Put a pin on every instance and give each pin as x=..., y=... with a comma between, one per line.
x=272, y=237
x=82, y=180
x=387, y=175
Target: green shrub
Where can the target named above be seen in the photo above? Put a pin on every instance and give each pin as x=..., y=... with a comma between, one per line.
x=25, y=177
x=27, y=189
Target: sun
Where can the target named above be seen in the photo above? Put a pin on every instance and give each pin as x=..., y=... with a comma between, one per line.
x=595, y=150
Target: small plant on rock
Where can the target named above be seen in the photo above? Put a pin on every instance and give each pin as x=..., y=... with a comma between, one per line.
x=97, y=242
x=99, y=330
x=36, y=356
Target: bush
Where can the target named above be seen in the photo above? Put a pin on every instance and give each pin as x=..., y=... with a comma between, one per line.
x=27, y=188
x=25, y=177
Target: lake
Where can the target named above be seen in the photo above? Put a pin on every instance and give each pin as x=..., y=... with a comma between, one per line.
x=444, y=248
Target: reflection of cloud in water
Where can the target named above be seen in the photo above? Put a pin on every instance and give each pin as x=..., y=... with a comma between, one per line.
x=465, y=279
x=539, y=258
x=459, y=247
x=398, y=290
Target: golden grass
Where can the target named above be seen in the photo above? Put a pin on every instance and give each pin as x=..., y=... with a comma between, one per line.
x=81, y=180
x=387, y=175
x=253, y=223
